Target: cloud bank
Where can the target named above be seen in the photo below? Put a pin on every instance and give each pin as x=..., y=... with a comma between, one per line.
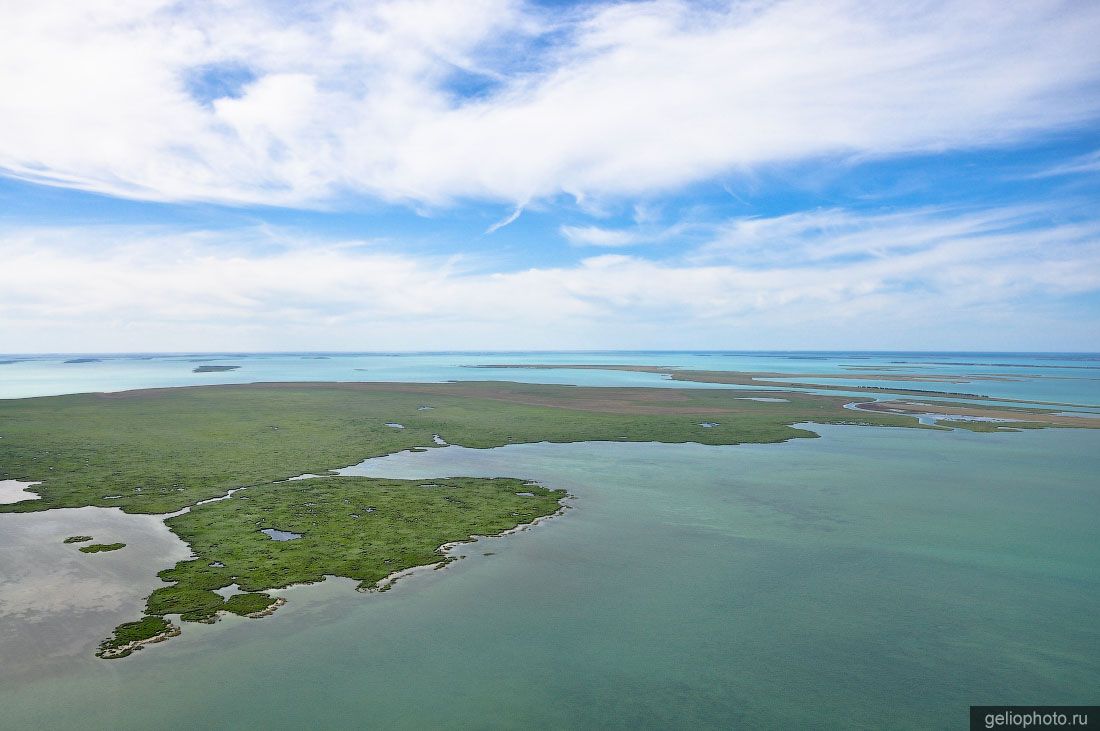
x=1004, y=278
x=429, y=101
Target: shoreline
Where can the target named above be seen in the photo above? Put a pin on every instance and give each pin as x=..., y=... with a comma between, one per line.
x=382, y=585
x=386, y=583
x=117, y=653
x=17, y=491
x=266, y=612
x=985, y=414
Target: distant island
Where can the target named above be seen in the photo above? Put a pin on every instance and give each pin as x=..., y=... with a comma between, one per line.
x=84, y=360
x=214, y=368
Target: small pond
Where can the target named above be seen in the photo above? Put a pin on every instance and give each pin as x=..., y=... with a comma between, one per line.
x=280, y=535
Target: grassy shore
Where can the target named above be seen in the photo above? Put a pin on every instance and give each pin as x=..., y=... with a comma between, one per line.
x=161, y=450
x=354, y=527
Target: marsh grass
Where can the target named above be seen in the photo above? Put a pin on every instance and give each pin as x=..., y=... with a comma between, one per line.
x=102, y=547
x=162, y=450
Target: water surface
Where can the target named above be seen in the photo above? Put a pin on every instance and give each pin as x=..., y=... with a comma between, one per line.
x=1066, y=377
x=870, y=578
x=57, y=603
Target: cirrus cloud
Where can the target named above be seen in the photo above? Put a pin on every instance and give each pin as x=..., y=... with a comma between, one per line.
x=428, y=101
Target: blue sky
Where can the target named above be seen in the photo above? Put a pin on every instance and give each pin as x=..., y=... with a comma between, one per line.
x=499, y=174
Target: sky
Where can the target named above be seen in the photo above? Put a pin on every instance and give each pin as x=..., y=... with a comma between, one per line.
x=499, y=174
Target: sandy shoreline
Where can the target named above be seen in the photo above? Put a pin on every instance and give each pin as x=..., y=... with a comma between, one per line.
x=129, y=648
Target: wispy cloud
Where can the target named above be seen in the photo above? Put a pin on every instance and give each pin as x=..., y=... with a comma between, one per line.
x=251, y=102
x=506, y=221
x=597, y=236
x=1082, y=165
x=824, y=236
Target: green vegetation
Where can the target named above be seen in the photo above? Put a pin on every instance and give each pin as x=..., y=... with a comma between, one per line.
x=356, y=527
x=162, y=450
x=77, y=539
x=119, y=644
x=102, y=547
x=245, y=604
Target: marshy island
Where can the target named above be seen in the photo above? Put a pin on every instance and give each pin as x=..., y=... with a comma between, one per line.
x=245, y=474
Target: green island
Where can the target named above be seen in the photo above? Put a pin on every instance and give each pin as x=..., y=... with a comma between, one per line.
x=214, y=368
x=217, y=461
x=77, y=539
x=133, y=635
x=102, y=547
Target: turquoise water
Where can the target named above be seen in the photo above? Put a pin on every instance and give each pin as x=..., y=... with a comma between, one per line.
x=870, y=578
x=1071, y=378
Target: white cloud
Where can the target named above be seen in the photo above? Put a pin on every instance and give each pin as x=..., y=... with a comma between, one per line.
x=597, y=236
x=956, y=280
x=817, y=237
x=621, y=99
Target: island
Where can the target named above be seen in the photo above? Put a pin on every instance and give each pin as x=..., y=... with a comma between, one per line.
x=77, y=539
x=214, y=368
x=217, y=462
x=102, y=547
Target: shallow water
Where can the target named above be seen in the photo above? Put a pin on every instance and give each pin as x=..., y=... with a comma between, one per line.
x=57, y=603
x=280, y=535
x=870, y=578
x=14, y=491
x=1069, y=378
